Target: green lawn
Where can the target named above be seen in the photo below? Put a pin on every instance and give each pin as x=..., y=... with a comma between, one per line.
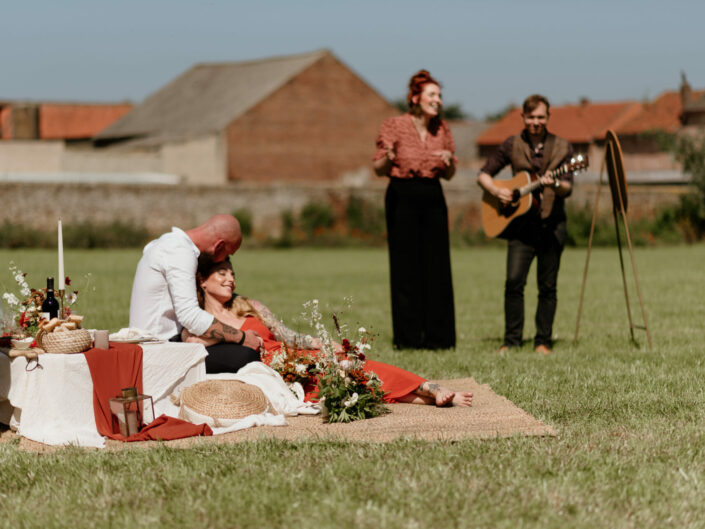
x=630, y=450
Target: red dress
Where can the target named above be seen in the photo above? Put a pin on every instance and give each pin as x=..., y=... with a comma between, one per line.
x=396, y=382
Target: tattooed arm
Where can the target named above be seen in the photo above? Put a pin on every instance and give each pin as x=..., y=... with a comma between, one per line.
x=222, y=332
x=282, y=332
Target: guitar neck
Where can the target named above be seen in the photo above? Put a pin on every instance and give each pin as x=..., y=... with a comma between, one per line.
x=529, y=188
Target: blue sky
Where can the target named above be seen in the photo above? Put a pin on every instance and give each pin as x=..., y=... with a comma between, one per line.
x=486, y=53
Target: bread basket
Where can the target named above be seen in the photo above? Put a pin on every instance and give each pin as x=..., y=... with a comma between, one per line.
x=67, y=342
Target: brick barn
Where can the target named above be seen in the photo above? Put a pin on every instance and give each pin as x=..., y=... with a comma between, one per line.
x=296, y=118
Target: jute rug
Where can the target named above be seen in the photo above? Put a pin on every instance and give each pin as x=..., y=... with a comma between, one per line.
x=490, y=416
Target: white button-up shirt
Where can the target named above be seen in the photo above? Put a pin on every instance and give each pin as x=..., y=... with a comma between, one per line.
x=164, y=290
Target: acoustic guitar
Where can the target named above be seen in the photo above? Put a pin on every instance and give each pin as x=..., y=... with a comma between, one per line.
x=497, y=216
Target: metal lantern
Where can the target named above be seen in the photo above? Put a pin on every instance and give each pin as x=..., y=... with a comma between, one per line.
x=131, y=410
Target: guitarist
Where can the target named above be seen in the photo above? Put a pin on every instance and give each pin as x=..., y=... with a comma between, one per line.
x=539, y=233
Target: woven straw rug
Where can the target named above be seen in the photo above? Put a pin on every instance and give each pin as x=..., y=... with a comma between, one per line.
x=490, y=416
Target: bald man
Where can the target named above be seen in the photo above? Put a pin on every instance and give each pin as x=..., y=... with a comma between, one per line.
x=164, y=292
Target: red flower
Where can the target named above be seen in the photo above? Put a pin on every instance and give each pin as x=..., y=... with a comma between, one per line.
x=22, y=320
x=67, y=280
x=361, y=356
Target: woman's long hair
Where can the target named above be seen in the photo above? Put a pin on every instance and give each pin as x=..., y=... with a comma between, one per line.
x=239, y=305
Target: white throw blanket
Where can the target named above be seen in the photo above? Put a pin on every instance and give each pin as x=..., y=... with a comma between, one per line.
x=283, y=401
x=133, y=334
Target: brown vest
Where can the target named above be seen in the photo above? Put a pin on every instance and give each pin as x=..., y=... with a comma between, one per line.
x=555, y=149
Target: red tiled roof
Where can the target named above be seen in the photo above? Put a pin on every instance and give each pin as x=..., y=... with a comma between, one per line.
x=577, y=123
x=5, y=121
x=663, y=113
x=75, y=121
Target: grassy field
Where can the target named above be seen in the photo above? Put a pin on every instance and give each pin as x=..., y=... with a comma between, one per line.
x=630, y=450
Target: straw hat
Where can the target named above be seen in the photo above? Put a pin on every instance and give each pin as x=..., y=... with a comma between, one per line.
x=219, y=402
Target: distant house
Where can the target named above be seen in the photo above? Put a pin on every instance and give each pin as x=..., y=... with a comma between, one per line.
x=585, y=124
x=57, y=121
x=296, y=118
x=693, y=107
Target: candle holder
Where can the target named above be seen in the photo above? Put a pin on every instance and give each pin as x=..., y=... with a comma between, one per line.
x=62, y=314
x=130, y=411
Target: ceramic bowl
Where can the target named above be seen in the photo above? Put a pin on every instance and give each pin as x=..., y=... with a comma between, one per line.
x=22, y=343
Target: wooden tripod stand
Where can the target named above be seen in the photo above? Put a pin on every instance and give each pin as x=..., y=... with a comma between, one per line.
x=618, y=187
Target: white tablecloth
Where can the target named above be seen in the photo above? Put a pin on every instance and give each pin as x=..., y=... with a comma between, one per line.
x=54, y=404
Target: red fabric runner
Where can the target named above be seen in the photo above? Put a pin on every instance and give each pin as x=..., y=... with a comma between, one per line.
x=121, y=367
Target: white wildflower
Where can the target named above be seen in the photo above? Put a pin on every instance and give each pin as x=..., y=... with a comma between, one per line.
x=362, y=330
x=300, y=369
x=351, y=401
x=346, y=365
x=11, y=299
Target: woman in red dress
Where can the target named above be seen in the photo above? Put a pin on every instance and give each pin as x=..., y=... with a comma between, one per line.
x=216, y=290
x=415, y=150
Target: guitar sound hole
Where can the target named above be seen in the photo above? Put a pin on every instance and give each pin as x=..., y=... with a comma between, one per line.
x=507, y=210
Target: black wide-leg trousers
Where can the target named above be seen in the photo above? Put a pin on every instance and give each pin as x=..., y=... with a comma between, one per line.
x=423, y=311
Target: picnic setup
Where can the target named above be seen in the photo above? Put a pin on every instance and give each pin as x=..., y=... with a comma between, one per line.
x=64, y=384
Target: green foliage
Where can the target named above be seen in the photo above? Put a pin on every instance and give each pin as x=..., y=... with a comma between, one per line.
x=452, y=111
x=318, y=224
x=244, y=215
x=287, y=237
x=364, y=219
x=83, y=235
x=401, y=104
x=113, y=235
x=664, y=229
x=316, y=217
x=336, y=392
x=689, y=150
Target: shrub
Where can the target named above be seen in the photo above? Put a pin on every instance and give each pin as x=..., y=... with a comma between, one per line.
x=690, y=152
x=663, y=229
x=116, y=234
x=364, y=220
x=315, y=218
x=244, y=215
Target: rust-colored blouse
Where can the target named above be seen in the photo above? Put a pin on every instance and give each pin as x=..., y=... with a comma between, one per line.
x=414, y=158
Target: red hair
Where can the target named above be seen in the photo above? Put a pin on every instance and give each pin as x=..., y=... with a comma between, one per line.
x=416, y=84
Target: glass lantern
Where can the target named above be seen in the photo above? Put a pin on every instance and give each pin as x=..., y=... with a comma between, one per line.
x=132, y=411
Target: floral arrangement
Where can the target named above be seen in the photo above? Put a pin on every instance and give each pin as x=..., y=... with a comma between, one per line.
x=346, y=391
x=295, y=365
x=26, y=310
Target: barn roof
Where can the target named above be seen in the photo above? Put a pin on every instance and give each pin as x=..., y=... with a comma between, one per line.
x=208, y=97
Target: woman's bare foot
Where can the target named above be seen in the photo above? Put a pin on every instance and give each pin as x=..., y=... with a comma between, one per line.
x=433, y=393
x=462, y=398
x=444, y=396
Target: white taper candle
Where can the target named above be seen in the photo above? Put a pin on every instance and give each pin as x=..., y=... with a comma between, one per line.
x=62, y=283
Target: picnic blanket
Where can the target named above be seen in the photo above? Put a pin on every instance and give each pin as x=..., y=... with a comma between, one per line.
x=490, y=416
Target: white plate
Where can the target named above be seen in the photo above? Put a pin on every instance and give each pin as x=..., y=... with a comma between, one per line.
x=137, y=340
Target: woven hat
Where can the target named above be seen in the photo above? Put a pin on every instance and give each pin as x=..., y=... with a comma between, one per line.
x=221, y=401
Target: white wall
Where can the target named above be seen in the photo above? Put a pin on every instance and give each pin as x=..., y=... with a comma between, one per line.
x=198, y=161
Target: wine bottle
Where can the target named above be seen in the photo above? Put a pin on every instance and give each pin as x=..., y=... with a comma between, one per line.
x=50, y=307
